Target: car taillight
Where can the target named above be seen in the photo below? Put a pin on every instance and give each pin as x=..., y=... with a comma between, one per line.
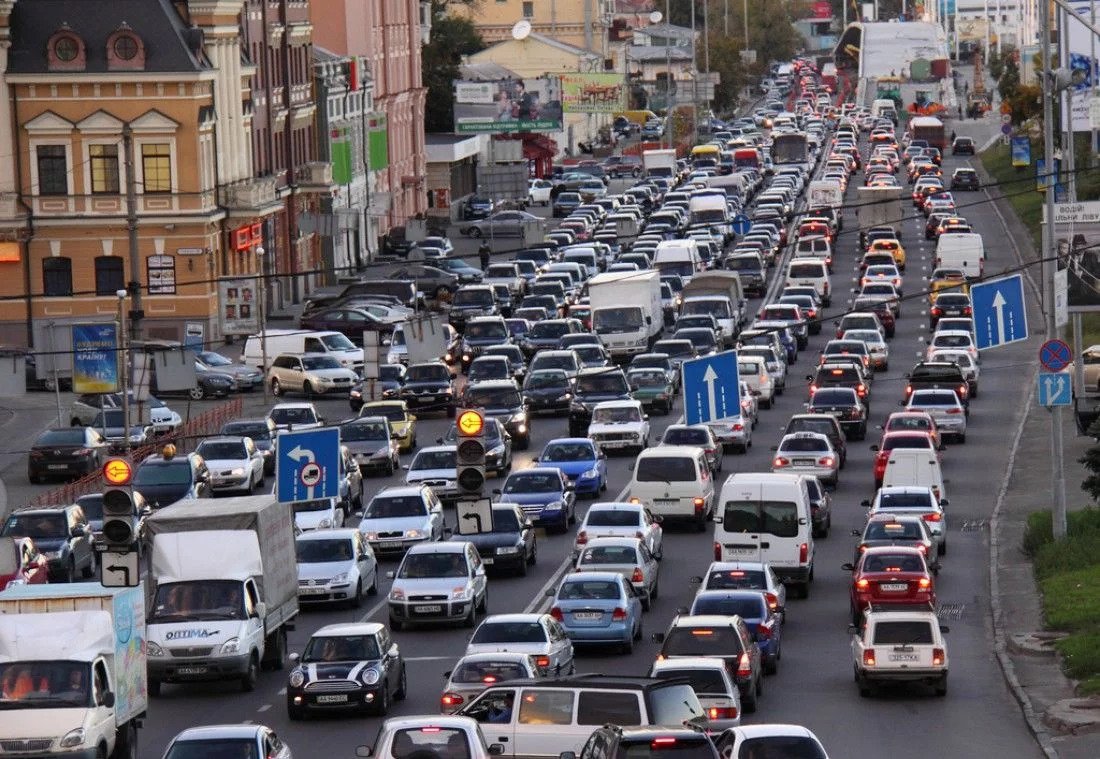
x=451, y=699
x=722, y=712
x=954, y=410
x=582, y=538
x=869, y=657
x=813, y=389
x=737, y=427
x=555, y=612
x=637, y=576
x=773, y=600
x=961, y=389
x=618, y=614
x=938, y=657
x=908, y=390
x=862, y=547
x=803, y=553
x=932, y=517
x=861, y=390
x=825, y=461
x=967, y=311
x=744, y=666
x=542, y=661
x=699, y=505
x=924, y=583
x=717, y=551
x=780, y=461
x=862, y=584
x=923, y=548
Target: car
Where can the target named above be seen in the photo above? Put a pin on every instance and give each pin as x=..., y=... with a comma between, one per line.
x=347, y=319
x=263, y=433
x=876, y=346
x=845, y=405
x=502, y=400
x=487, y=368
x=295, y=417
x=420, y=737
x=318, y=514
x=827, y=425
x=952, y=339
x=544, y=494
x=653, y=389
x=477, y=207
x=748, y=741
x=401, y=516
x=962, y=146
x=623, y=520
x=821, y=507
x=765, y=623
x=889, y=575
x=580, y=460
x=712, y=683
x=389, y=381
x=235, y=463
x=919, y=421
x=438, y=582
x=919, y=500
x=242, y=740
x=435, y=466
x=92, y=506
x=68, y=452
x=660, y=361
x=61, y=534
x=598, y=607
x=429, y=387
x=899, y=646
x=699, y=436
x=944, y=406
x=359, y=665
x=539, y=635
x=85, y=408
x=335, y=565
x=886, y=529
x=938, y=375
x=475, y=672
x=309, y=374
x=21, y=563
x=402, y=423
x=746, y=575
x=509, y=544
x=371, y=445
x=620, y=425
x=807, y=453
x=501, y=224
x=466, y=273
x=208, y=384
x=431, y=280
x=720, y=637
x=538, y=191
x=168, y=477
x=971, y=369
x=628, y=556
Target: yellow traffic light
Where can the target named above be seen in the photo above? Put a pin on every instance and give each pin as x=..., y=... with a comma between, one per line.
x=470, y=423
x=118, y=472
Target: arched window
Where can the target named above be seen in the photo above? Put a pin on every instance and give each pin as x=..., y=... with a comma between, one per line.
x=57, y=276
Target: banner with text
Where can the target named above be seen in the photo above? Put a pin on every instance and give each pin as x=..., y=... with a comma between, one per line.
x=593, y=93
x=508, y=105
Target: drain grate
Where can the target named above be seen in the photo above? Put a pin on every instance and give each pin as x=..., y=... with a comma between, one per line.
x=975, y=525
x=950, y=611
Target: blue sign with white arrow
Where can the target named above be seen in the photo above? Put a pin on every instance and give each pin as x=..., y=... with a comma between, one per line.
x=712, y=388
x=1000, y=315
x=307, y=465
x=741, y=224
x=1055, y=389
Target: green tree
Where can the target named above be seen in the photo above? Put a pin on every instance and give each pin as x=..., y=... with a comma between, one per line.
x=451, y=38
x=1009, y=81
x=725, y=60
x=1091, y=462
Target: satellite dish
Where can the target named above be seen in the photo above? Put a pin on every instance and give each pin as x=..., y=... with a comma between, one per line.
x=521, y=29
x=655, y=17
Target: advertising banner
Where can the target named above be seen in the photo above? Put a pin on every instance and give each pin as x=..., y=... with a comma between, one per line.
x=1077, y=49
x=240, y=310
x=1021, y=151
x=593, y=93
x=508, y=105
x=1078, y=246
x=95, y=358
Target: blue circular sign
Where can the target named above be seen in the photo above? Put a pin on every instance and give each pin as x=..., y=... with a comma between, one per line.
x=741, y=223
x=1055, y=355
x=1006, y=129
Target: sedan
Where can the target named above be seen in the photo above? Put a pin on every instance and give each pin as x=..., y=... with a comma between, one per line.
x=807, y=453
x=351, y=322
x=876, y=346
x=652, y=388
x=228, y=740
x=629, y=557
x=509, y=544
x=503, y=224
x=713, y=684
x=235, y=464
x=369, y=440
x=438, y=582
x=430, y=280
x=621, y=520
x=944, y=407
x=894, y=530
x=246, y=377
x=889, y=575
x=921, y=501
x=545, y=495
x=538, y=635
x=580, y=460
x=402, y=423
x=746, y=575
x=475, y=672
x=598, y=607
x=336, y=566
x=764, y=622
x=69, y=452
x=435, y=466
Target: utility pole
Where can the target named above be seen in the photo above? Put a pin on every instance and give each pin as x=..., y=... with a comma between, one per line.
x=134, y=285
x=124, y=370
x=669, y=121
x=726, y=19
x=1050, y=268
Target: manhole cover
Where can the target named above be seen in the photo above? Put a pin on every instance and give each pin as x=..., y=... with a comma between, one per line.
x=975, y=525
x=950, y=611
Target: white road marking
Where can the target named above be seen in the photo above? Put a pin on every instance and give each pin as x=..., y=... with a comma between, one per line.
x=264, y=708
x=430, y=658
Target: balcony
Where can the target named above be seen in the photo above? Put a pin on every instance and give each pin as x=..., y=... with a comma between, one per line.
x=315, y=176
x=252, y=197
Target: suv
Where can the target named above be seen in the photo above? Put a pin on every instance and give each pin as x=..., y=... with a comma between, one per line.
x=471, y=301
x=502, y=399
x=899, y=645
x=845, y=405
x=938, y=375
x=593, y=386
x=721, y=637
x=480, y=333
x=615, y=741
x=61, y=534
x=166, y=478
x=429, y=387
x=840, y=375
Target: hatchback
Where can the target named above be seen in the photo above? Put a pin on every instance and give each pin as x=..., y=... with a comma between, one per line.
x=598, y=607
x=764, y=622
x=720, y=637
x=538, y=635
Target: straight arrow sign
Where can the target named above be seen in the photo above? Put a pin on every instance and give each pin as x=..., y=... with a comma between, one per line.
x=999, y=307
x=709, y=377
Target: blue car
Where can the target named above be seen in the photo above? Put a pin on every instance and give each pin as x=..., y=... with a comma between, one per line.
x=766, y=625
x=599, y=608
x=545, y=495
x=580, y=460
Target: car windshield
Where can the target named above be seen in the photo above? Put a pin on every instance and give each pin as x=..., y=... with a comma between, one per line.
x=337, y=342
x=216, y=450
x=893, y=531
x=666, y=469
x=315, y=363
x=904, y=500
x=474, y=297
x=484, y=369
x=708, y=682
x=67, y=436
x=892, y=563
x=487, y=330
x=210, y=358
x=609, y=555
x=218, y=748
x=780, y=747
x=363, y=431
x=428, y=373
x=395, y=506
x=737, y=579
x=833, y=397
x=549, y=330
x=935, y=399
x=314, y=504
x=535, y=482
x=433, y=460
x=324, y=551
x=647, y=378
x=390, y=373
x=293, y=415
x=431, y=743
x=702, y=641
x=745, y=606
x=676, y=348
x=391, y=412
x=163, y=473
x=425, y=565
x=493, y=397
x=505, y=520
x=561, y=452
x=589, y=590
x=509, y=632
x=613, y=518
x=487, y=672
x=604, y=382
x=341, y=648
x=253, y=430
x=801, y=444
x=36, y=526
x=199, y=600
x=616, y=415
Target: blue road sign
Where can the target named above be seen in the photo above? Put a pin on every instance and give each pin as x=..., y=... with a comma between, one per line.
x=711, y=388
x=1055, y=355
x=308, y=465
x=1000, y=316
x=741, y=224
x=1055, y=389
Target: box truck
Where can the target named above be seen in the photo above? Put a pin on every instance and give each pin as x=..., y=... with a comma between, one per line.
x=626, y=310
x=660, y=163
x=880, y=207
x=718, y=293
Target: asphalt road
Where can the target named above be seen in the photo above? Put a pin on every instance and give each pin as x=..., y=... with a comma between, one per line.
x=814, y=684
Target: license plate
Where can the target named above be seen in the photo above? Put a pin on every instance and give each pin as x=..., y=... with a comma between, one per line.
x=803, y=462
x=667, y=501
x=903, y=657
x=428, y=609
x=57, y=466
x=741, y=551
x=894, y=587
x=333, y=698
x=587, y=616
x=487, y=562
x=191, y=670
x=313, y=591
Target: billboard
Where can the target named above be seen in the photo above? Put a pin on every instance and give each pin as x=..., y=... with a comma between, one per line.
x=95, y=358
x=593, y=93
x=1077, y=49
x=508, y=105
x=1077, y=240
x=240, y=310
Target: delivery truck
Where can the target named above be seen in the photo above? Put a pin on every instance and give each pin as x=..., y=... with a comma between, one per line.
x=224, y=589
x=928, y=128
x=626, y=310
x=825, y=193
x=880, y=207
x=73, y=661
x=718, y=293
x=660, y=163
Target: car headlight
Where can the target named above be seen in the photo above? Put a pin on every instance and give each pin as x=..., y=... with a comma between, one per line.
x=460, y=593
x=238, y=472
x=355, y=393
x=566, y=397
x=553, y=506
x=497, y=450
x=370, y=535
x=591, y=474
x=325, y=523
x=73, y=738
x=508, y=550
x=416, y=534
x=153, y=649
x=297, y=679
x=340, y=578
x=231, y=646
x=396, y=594
x=371, y=676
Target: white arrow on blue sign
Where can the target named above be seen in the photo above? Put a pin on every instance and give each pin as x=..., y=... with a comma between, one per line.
x=712, y=388
x=1000, y=314
x=307, y=465
x=1055, y=389
x=741, y=224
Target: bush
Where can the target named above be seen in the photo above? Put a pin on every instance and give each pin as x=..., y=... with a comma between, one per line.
x=1038, y=532
x=1079, y=550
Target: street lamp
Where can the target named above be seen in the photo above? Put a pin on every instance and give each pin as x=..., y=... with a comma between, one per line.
x=124, y=370
x=261, y=291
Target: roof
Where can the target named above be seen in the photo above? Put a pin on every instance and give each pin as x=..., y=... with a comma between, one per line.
x=890, y=47
x=657, y=53
x=485, y=71
x=513, y=618
x=457, y=546
x=349, y=628
x=670, y=31
x=333, y=534
x=155, y=22
x=563, y=46
x=705, y=620
x=218, y=732
x=759, y=731
x=725, y=566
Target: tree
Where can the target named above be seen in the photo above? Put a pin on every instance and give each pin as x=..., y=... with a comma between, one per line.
x=451, y=38
x=1091, y=462
x=1009, y=81
x=725, y=60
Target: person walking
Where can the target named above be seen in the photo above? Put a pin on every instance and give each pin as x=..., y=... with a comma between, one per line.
x=484, y=253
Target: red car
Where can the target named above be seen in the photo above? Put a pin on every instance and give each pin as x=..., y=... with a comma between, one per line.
x=21, y=563
x=890, y=575
x=892, y=440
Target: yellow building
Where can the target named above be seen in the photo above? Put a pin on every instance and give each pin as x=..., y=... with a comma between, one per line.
x=581, y=23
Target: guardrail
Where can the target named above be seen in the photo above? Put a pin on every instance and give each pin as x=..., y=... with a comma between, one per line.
x=205, y=424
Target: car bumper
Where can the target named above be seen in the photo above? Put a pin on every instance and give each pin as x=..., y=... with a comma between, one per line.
x=194, y=670
x=952, y=426
x=334, y=701
x=923, y=674
x=325, y=593
x=242, y=484
x=394, y=547
x=616, y=632
x=798, y=575
x=61, y=469
x=439, y=611
x=546, y=407
x=828, y=474
x=371, y=464
x=435, y=402
x=726, y=435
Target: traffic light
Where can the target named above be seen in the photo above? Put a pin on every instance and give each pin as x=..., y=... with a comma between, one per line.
x=119, y=515
x=470, y=455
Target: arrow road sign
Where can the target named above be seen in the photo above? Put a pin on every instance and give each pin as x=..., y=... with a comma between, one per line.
x=120, y=570
x=741, y=224
x=1055, y=355
x=1000, y=316
x=308, y=465
x=1055, y=389
x=711, y=388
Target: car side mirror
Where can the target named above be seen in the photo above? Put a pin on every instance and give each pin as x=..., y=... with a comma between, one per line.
x=496, y=749
x=945, y=629
x=853, y=630
x=364, y=751
x=390, y=574
x=657, y=637
x=696, y=580
x=109, y=699
x=77, y=532
x=865, y=504
x=260, y=610
x=294, y=657
x=849, y=567
x=944, y=501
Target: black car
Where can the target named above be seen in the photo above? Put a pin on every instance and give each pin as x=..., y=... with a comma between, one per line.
x=845, y=405
x=350, y=321
x=66, y=452
x=480, y=333
x=498, y=445
x=514, y=354
x=166, y=478
x=61, y=534
x=391, y=377
x=938, y=375
x=823, y=424
x=510, y=546
x=547, y=335
x=947, y=305
x=965, y=179
x=839, y=375
x=263, y=434
x=565, y=203
x=548, y=391
x=616, y=741
x=92, y=506
x=360, y=663
x=962, y=146
x=750, y=268
x=429, y=387
x=590, y=387
x=477, y=207
x=501, y=399
x=471, y=301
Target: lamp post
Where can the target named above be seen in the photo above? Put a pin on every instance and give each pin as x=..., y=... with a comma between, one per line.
x=261, y=293
x=124, y=370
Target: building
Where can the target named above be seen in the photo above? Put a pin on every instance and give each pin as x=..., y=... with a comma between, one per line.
x=580, y=23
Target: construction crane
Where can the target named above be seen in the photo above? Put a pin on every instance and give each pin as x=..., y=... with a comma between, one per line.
x=978, y=101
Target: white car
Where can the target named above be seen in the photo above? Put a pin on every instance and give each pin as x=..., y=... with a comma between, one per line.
x=430, y=736
x=438, y=582
x=538, y=191
x=295, y=416
x=627, y=520
x=228, y=740
x=436, y=466
x=236, y=465
x=952, y=340
x=944, y=406
x=335, y=565
x=770, y=739
x=876, y=346
x=538, y=635
x=318, y=514
x=398, y=517
x=754, y=371
x=899, y=646
x=711, y=681
x=807, y=453
x=775, y=364
x=619, y=425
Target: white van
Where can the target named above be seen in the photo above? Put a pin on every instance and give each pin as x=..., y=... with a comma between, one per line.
x=753, y=371
x=814, y=247
x=674, y=482
x=767, y=517
x=678, y=257
x=885, y=109
x=916, y=467
x=298, y=342
x=579, y=272
x=810, y=272
x=961, y=250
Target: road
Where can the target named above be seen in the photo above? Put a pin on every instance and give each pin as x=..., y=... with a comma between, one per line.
x=814, y=684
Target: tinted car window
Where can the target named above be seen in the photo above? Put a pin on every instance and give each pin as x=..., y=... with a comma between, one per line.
x=701, y=641
x=902, y=633
x=608, y=707
x=71, y=436
x=667, y=469
x=703, y=681
x=780, y=747
x=748, y=608
x=779, y=518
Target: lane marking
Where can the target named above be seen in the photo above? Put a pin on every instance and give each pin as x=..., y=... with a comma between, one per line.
x=431, y=658
x=264, y=708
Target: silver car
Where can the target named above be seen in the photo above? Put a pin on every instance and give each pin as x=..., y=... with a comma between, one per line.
x=399, y=517
x=335, y=565
x=502, y=224
x=538, y=635
x=438, y=582
x=309, y=374
x=474, y=673
x=630, y=557
x=807, y=453
x=235, y=464
x=944, y=407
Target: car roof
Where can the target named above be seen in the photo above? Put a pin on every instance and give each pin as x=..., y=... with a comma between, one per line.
x=619, y=404
x=706, y=620
x=761, y=731
x=218, y=732
x=514, y=618
x=349, y=628
x=612, y=540
x=345, y=532
x=725, y=566
x=458, y=546
x=571, y=440
x=591, y=575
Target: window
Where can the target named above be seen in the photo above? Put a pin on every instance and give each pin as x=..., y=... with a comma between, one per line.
x=66, y=48
x=53, y=170
x=546, y=707
x=156, y=167
x=603, y=707
x=104, y=165
x=125, y=47
x=528, y=10
x=109, y=278
x=57, y=277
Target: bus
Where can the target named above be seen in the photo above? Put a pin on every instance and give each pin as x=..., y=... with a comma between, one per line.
x=790, y=148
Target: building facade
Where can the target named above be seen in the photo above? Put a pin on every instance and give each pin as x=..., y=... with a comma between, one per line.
x=580, y=23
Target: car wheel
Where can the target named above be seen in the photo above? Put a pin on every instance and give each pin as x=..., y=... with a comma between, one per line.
x=307, y=388
x=646, y=602
x=295, y=713
x=470, y=618
x=382, y=708
x=942, y=550
x=197, y=393
x=627, y=646
x=276, y=388
x=153, y=687
x=251, y=675
x=475, y=232
x=396, y=625
x=748, y=701
x=357, y=599
x=771, y=665
x=941, y=686
x=864, y=685
x=402, y=686
x=34, y=478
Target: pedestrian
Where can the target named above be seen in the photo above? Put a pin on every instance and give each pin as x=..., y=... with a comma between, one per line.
x=952, y=136
x=484, y=253
x=960, y=112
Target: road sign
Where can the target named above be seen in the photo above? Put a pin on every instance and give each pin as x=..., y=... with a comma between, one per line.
x=120, y=569
x=1006, y=118
x=308, y=465
x=1055, y=389
x=1006, y=129
x=1006, y=109
x=474, y=516
x=741, y=224
x=1055, y=355
x=1000, y=316
x=711, y=388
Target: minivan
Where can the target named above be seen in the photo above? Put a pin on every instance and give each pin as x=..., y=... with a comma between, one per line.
x=916, y=467
x=961, y=250
x=679, y=257
x=812, y=273
x=767, y=517
x=299, y=342
x=674, y=482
